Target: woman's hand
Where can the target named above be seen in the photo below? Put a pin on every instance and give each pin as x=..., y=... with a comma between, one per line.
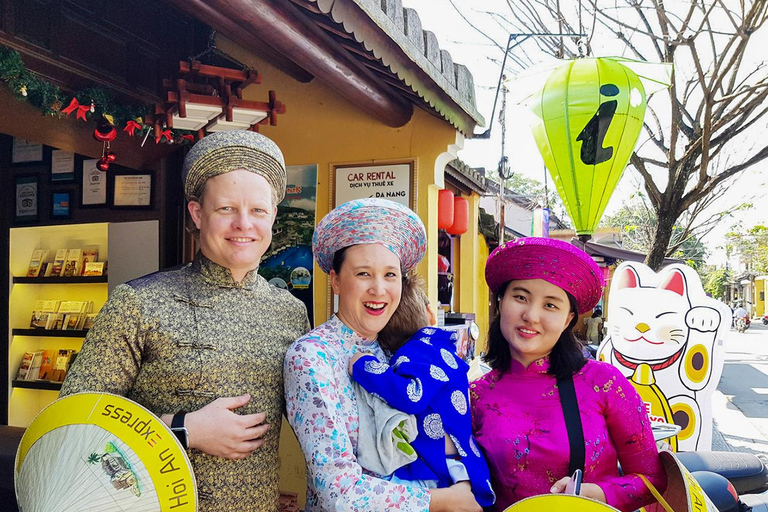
x=593, y=491
x=355, y=358
x=456, y=498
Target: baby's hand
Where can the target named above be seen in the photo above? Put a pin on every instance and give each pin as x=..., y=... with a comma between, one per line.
x=355, y=358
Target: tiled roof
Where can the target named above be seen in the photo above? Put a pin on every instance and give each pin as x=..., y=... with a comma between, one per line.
x=412, y=45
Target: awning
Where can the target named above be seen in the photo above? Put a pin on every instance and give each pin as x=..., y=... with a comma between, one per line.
x=616, y=253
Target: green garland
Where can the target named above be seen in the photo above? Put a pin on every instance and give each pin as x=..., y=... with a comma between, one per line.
x=49, y=99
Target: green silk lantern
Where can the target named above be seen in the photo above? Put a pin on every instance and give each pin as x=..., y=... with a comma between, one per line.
x=588, y=118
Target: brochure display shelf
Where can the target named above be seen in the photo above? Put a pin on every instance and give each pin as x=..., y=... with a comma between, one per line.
x=132, y=250
x=60, y=280
x=28, y=397
x=52, y=333
x=36, y=384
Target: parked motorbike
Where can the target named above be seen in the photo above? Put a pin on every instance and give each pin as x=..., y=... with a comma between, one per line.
x=734, y=481
x=765, y=319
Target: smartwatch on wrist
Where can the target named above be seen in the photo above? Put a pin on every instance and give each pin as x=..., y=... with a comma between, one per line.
x=179, y=430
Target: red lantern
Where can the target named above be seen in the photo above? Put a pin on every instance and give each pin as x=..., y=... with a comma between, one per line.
x=444, y=209
x=460, y=216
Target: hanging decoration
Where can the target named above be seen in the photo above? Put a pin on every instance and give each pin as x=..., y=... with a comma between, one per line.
x=460, y=216
x=444, y=209
x=105, y=133
x=91, y=104
x=203, y=99
x=589, y=113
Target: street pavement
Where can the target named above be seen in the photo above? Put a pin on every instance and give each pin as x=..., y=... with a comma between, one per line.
x=740, y=403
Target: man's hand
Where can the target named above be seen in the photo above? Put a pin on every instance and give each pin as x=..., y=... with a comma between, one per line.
x=593, y=491
x=217, y=430
x=354, y=358
x=456, y=498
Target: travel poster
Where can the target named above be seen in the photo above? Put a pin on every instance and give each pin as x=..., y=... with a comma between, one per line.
x=288, y=263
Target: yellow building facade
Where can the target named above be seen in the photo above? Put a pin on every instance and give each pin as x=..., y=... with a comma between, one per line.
x=320, y=126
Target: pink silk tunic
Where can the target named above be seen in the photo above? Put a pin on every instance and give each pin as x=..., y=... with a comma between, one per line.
x=518, y=423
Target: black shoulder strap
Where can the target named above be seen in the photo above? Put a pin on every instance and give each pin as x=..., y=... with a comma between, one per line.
x=572, y=423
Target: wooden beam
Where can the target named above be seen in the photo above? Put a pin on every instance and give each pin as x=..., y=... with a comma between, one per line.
x=287, y=29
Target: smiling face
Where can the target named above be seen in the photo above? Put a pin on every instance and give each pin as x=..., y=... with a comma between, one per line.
x=369, y=286
x=533, y=315
x=235, y=217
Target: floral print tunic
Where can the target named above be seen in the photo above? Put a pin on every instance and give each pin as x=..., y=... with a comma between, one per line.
x=180, y=338
x=322, y=410
x=518, y=422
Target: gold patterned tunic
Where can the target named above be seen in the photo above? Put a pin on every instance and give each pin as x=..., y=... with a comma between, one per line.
x=180, y=338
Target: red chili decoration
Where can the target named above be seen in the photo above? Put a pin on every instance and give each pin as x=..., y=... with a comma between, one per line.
x=131, y=127
x=75, y=105
x=188, y=138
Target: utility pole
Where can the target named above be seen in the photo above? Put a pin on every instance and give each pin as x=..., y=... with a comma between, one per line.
x=504, y=167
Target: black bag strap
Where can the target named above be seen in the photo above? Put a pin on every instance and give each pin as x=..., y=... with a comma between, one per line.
x=572, y=423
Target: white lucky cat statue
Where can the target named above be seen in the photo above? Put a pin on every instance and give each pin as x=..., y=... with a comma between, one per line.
x=667, y=337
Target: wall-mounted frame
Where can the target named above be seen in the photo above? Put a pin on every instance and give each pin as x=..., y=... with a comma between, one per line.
x=131, y=189
x=25, y=151
x=62, y=166
x=61, y=204
x=394, y=180
x=93, y=193
x=27, y=199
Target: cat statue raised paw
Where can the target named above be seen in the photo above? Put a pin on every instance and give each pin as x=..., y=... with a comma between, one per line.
x=667, y=336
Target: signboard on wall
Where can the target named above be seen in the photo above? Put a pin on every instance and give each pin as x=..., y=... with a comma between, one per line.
x=288, y=263
x=393, y=181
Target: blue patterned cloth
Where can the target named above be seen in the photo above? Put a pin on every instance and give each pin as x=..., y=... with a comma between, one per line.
x=428, y=380
x=322, y=410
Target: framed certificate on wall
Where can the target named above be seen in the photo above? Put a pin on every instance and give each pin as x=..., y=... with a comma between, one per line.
x=131, y=190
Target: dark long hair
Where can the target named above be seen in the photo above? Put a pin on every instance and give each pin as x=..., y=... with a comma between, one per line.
x=565, y=359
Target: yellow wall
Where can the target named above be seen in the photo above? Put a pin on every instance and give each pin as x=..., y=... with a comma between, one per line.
x=759, y=304
x=472, y=292
x=322, y=127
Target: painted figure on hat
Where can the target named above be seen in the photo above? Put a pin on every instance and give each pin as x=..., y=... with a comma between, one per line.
x=367, y=247
x=666, y=335
x=544, y=411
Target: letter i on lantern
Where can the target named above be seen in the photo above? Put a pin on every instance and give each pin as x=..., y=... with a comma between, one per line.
x=588, y=119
